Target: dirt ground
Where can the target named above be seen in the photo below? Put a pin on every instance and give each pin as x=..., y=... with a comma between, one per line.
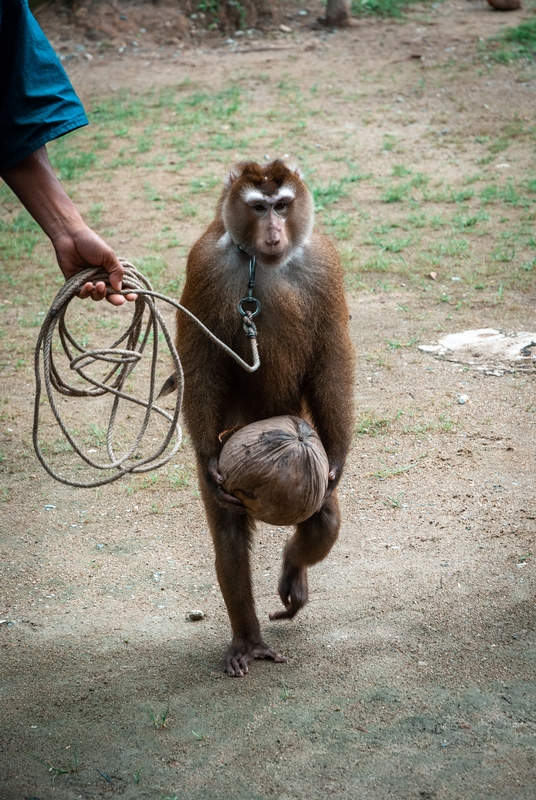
x=410, y=674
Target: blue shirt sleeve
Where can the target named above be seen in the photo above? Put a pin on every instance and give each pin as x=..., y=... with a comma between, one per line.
x=37, y=100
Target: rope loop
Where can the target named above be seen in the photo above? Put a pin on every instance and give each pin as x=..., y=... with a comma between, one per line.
x=146, y=328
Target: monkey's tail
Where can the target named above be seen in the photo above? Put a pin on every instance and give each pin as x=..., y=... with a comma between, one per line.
x=169, y=386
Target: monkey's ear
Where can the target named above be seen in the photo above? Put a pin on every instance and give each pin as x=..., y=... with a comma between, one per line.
x=233, y=175
x=296, y=169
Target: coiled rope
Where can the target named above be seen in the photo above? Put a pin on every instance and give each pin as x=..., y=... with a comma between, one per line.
x=122, y=355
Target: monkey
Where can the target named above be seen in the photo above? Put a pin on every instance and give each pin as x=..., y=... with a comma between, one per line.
x=306, y=369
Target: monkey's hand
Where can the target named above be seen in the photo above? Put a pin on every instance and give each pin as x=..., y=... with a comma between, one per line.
x=241, y=651
x=228, y=501
x=333, y=479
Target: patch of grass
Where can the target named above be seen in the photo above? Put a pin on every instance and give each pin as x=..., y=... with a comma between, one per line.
x=380, y=8
x=333, y=192
x=451, y=247
x=390, y=142
x=205, y=184
x=394, y=245
x=460, y=195
x=397, y=345
x=340, y=225
x=369, y=424
x=97, y=435
x=68, y=160
x=394, y=501
x=463, y=221
x=498, y=146
x=390, y=472
x=179, y=477
x=528, y=266
x=5, y=494
x=95, y=213
x=400, y=171
x=286, y=693
x=119, y=108
x=152, y=267
x=65, y=769
x=418, y=429
x=17, y=242
x=159, y=721
x=513, y=43
x=395, y=194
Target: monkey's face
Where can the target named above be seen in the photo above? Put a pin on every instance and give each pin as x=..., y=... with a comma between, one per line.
x=267, y=210
x=269, y=214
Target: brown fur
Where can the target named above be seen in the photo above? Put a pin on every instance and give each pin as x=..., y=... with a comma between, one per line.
x=306, y=370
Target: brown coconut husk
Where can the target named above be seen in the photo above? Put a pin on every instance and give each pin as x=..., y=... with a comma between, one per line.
x=278, y=468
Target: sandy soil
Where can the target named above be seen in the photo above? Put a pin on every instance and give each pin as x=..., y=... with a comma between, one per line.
x=411, y=672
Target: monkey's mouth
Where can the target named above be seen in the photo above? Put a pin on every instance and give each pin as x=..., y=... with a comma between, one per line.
x=274, y=249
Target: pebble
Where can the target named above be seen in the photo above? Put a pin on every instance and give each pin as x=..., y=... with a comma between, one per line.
x=462, y=399
x=195, y=615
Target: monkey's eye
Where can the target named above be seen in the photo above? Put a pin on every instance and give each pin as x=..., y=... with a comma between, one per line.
x=259, y=208
x=281, y=206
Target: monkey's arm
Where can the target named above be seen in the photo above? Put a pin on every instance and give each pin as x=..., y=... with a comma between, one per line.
x=206, y=401
x=329, y=394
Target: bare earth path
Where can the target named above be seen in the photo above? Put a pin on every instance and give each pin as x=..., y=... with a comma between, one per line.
x=411, y=672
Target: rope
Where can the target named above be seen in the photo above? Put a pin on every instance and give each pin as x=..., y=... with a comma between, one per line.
x=122, y=356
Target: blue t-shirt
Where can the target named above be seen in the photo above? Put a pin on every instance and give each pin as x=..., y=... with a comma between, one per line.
x=37, y=100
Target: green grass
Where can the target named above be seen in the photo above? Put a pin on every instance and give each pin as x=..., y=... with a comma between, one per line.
x=513, y=43
x=369, y=424
x=17, y=241
x=412, y=222
x=161, y=720
x=380, y=8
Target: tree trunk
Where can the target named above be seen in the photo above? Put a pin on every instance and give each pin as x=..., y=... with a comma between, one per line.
x=338, y=13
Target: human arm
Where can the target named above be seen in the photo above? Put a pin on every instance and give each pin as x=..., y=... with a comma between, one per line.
x=77, y=247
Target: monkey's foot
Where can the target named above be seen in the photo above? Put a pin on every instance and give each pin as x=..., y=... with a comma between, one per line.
x=293, y=591
x=241, y=651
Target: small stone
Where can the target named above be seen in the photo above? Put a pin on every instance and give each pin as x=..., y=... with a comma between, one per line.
x=462, y=399
x=285, y=29
x=195, y=615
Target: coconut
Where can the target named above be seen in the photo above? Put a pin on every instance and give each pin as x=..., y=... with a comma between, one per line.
x=278, y=468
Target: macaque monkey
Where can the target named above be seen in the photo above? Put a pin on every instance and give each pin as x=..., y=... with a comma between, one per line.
x=306, y=370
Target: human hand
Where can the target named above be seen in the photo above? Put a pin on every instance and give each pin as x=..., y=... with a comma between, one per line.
x=83, y=248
